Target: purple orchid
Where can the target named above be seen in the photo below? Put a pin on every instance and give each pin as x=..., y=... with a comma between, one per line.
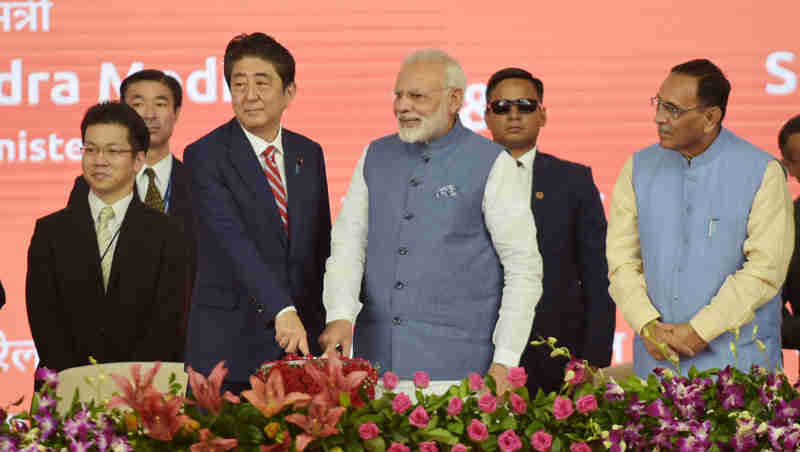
x=49, y=377
x=47, y=402
x=744, y=443
x=120, y=444
x=8, y=443
x=658, y=409
x=80, y=445
x=732, y=397
x=47, y=424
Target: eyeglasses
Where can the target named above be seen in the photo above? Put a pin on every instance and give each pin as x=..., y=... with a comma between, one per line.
x=111, y=154
x=524, y=106
x=674, y=110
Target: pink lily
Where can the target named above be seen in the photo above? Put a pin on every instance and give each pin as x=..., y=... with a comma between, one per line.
x=270, y=397
x=320, y=422
x=207, y=392
x=208, y=443
x=135, y=395
x=160, y=417
x=334, y=382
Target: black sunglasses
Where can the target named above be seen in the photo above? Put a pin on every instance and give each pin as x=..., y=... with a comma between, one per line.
x=503, y=106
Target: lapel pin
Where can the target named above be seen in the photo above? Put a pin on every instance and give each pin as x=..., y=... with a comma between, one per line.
x=297, y=165
x=539, y=195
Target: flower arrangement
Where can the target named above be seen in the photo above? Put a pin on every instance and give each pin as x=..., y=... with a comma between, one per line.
x=705, y=411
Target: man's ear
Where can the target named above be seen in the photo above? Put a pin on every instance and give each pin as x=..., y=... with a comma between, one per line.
x=290, y=92
x=455, y=100
x=713, y=118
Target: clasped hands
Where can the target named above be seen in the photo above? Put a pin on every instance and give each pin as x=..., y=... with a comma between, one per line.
x=676, y=339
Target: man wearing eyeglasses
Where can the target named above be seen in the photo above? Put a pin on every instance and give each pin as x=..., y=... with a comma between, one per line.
x=433, y=225
x=700, y=235
x=571, y=230
x=106, y=275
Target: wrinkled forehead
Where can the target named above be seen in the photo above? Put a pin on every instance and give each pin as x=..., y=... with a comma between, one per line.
x=420, y=76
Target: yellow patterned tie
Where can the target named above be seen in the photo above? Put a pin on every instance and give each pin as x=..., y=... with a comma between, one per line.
x=104, y=237
x=153, y=199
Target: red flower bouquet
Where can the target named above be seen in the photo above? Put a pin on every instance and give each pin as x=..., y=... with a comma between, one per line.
x=310, y=376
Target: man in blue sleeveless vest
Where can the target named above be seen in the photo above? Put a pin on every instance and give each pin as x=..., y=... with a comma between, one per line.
x=434, y=226
x=700, y=235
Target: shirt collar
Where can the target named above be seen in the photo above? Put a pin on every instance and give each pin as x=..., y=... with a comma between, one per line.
x=120, y=207
x=162, y=168
x=527, y=159
x=260, y=145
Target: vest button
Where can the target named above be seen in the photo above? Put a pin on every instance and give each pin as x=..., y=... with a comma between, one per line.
x=408, y=216
x=396, y=320
x=426, y=158
x=399, y=285
x=414, y=182
x=402, y=251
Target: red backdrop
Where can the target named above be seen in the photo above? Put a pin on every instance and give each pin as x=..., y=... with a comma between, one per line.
x=600, y=65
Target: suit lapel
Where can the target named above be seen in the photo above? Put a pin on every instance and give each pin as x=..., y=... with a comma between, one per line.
x=292, y=169
x=244, y=160
x=84, y=241
x=127, y=241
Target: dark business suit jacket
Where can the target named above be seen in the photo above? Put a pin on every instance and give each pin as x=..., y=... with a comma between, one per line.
x=180, y=206
x=575, y=306
x=72, y=317
x=790, y=329
x=248, y=269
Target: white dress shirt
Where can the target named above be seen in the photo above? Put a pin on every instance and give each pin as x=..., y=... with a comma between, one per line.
x=260, y=145
x=509, y=220
x=525, y=165
x=163, y=170
x=120, y=208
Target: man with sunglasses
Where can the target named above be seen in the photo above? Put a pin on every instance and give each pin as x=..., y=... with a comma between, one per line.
x=433, y=224
x=700, y=234
x=575, y=306
x=107, y=275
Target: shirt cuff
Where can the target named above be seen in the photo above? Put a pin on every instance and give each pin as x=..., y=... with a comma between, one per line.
x=342, y=314
x=284, y=310
x=708, y=325
x=506, y=357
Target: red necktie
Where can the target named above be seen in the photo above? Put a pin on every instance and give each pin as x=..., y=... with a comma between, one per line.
x=275, y=182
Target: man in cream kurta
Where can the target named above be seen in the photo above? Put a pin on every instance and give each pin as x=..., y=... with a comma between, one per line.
x=700, y=235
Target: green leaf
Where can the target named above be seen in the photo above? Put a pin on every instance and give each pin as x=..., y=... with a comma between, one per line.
x=376, y=444
x=558, y=445
x=509, y=423
x=457, y=427
x=441, y=435
x=490, y=445
x=344, y=399
x=354, y=447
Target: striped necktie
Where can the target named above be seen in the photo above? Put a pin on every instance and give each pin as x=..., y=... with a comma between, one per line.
x=275, y=182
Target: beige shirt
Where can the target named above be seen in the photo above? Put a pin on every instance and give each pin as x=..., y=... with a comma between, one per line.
x=510, y=223
x=767, y=250
x=120, y=208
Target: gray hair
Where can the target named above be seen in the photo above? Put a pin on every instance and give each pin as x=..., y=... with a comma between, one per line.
x=454, y=76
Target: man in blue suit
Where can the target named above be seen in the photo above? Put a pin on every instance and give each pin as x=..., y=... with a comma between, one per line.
x=575, y=306
x=262, y=217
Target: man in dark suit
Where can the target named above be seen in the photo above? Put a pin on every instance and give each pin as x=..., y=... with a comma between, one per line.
x=260, y=200
x=107, y=275
x=575, y=306
x=162, y=183
x=789, y=144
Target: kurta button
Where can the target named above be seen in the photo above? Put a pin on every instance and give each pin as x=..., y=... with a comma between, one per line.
x=426, y=158
x=408, y=216
x=396, y=320
x=399, y=285
x=402, y=251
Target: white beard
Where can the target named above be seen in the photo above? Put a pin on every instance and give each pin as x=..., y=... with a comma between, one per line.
x=427, y=128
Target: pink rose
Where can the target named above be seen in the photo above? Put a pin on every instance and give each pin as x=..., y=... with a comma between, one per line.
x=428, y=446
x=397, y=447
x=518, y=404
x=390, y=380
x=368, y=430
x=587, y=403
x=401, y=403
x=455, y=406
x=475, y=382
x=509, y=441
x=421, y=379
x=580, y=447
x=517, y=377
x=419, y=417
x=562, y=408
x=459, y=448
x=487, y=403
x=541, y=441
x=477, y=431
